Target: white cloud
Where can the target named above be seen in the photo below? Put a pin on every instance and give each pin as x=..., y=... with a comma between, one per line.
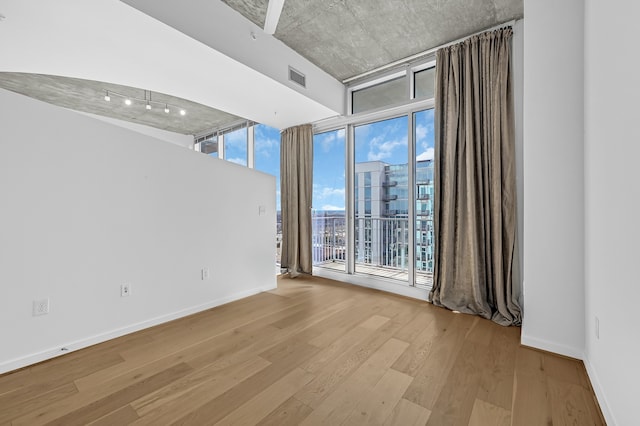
x=266, y=147
x=236, y=139
x=426, y=155
x=380, y=151
x=241, y=161
x=327, y=192
x=326, y=142
x=421, y=132
x=331, y=207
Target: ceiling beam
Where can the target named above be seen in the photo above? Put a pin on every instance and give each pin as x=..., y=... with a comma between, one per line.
x=274, y=9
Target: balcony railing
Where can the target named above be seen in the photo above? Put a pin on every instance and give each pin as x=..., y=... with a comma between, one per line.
x=329, y=239
x=382, y=246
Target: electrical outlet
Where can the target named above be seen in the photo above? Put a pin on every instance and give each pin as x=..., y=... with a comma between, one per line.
x=205, y=273
x=40, y=307
x=125, y=290
x=597, y=328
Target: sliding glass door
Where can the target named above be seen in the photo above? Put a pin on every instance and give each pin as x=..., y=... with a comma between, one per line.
x=329, y=237
x=381, y=199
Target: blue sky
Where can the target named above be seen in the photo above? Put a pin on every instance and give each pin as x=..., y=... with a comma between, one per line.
x=267, y=153
x=381, y=141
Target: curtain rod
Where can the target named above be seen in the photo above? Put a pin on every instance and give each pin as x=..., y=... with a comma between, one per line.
x=425, y=53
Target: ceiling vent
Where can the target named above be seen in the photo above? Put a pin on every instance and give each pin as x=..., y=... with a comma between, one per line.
x=297, y=77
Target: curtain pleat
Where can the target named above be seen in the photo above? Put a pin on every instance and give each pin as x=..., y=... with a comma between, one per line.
x=296, y=173
x=475, y=198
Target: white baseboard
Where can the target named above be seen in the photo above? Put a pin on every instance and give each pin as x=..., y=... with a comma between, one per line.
x=554, y=347
x=67, y=347
x=597, y=388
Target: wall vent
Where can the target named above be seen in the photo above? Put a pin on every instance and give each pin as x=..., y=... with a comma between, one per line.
x=297, y=77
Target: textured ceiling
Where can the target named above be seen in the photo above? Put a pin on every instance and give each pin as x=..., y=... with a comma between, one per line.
x=348, y=37
x=343, y=37
x=88, y=96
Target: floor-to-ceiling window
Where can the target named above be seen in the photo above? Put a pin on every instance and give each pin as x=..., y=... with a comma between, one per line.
x=381, y=198
x=423, y=132
x=235, y=146
x=389, y=141
x=266, y=154
x=328, y=214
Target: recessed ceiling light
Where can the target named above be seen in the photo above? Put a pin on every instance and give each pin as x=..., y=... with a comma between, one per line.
x=127, y=101
x=182, y=112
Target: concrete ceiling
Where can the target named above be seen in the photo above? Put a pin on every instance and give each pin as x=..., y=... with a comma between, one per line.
x=88, y=96
x=220, y=66
x=349, y=37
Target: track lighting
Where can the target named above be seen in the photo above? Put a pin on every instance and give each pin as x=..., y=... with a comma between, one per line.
x=147, y=101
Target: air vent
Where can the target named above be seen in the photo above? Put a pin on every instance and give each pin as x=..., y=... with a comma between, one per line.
x=297, y=77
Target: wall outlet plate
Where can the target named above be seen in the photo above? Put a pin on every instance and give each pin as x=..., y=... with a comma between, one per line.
x=125, y=290
x=40, y=307
x=205, y=273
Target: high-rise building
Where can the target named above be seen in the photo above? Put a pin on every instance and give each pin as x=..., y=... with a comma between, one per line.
x=382, y=214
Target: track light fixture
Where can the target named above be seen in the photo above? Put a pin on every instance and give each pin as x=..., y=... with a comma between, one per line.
x=147, y=101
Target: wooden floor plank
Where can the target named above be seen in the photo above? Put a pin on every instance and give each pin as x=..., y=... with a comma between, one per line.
x=569, y=404
x=407, y=413
x=457, y=396
x=496, y=386
x=312, y=351
x=432, y=375
x=338, y=405
x=17, y=407
x=485, y=413
x=289, y=413
x=122, y=416
x=345, y=342
x=380, y=401
x=337, y=371
x=98, y=408
x=209, y=382
x=287, y=359
x=262, y=404
x=531, y=405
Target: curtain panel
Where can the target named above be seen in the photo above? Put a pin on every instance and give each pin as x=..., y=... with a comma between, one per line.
x=296, y=174
x=475, y=191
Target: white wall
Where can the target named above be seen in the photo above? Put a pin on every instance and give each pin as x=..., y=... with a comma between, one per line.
x=86, y=206
x=612, y=204
x=231, y=35
x=163, y=135
x=108, y=40
x=553, y=177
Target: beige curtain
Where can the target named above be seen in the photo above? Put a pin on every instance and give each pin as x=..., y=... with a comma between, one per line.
x=475, y=196
x=296, y=172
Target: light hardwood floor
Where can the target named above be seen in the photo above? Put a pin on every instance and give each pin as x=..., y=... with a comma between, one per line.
x=311, y=352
